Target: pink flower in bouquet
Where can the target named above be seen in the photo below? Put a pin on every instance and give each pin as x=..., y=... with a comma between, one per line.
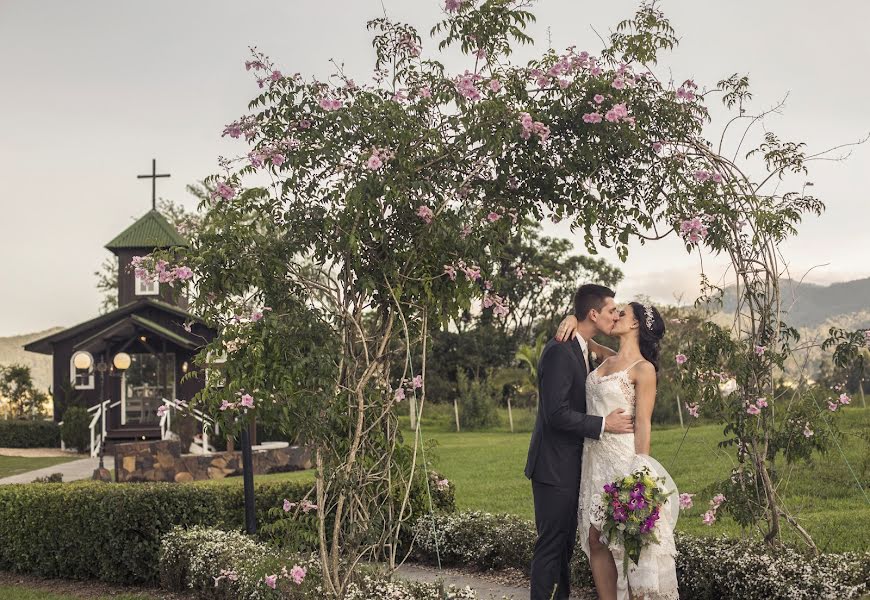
x=833, y=406
x=271, y=580
x=845, y=399
x=686, y=501
x=297, y=574
x=753, y=410
x=709, y=517
x=681, y=359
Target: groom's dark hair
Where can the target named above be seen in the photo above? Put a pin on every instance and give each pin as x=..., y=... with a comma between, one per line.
x=590, y=296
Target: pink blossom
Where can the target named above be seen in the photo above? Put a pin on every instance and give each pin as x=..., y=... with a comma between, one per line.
x=182, y=273
x=275, y=76
x=709, y=517
x=297, y=574
x=472, y=273
x=761, y=403
x=288, y=506
x=308, y=506
x=592, y=117
x=753, y=410
x=442, y=484
x=278, y=159
x=759, y=350
x=271, y=580
x=845, y=399
x=493, y=216
x=717, y=178
x=399, y=394
x=681, y=359
x=225, y=191
x=226, y=405
x=618, y=83
x=611, y=116
x=450, y=270
x=692, y=409
x=598, y=98
x=657, y=147
x=519, y=272
x=686, y=501
x=328, y=104
x=495, y=85
x=374, y=162
x=702, y=175
x=452, y=5
x=717, y=501
x=620, y=110
x=465, y=231
x=162, y=410
x=425, y=92
x=417, y=382
x=833, y=406
x=425, y=213
x=247, y=401
x=808, y=433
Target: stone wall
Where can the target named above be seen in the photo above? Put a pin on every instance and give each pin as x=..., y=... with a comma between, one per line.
x=163, y=461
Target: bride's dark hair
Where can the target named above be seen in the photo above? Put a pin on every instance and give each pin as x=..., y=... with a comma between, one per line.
x=649, y=335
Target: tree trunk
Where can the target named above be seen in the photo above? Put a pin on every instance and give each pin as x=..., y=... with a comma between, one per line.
x=510, y=415
x=456, y=413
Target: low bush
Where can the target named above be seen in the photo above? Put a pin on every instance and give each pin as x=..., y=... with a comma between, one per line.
x=19, y=433
x=75, y=430
x=707, y=568
x=230, y=566
x=112, y=532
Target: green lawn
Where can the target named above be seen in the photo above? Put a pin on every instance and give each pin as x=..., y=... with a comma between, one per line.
x=25, y=593
x=487, y=469
x=13, y=465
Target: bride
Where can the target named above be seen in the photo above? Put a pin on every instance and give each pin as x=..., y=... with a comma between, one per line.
x=626, y=380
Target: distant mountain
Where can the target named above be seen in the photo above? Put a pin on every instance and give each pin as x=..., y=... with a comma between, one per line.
x=809, y=305
x=12, y=352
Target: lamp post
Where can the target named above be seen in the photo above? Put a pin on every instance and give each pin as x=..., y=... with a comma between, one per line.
x=121, y=362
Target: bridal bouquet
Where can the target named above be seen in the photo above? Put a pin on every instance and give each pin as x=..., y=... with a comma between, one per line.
x=632, y=507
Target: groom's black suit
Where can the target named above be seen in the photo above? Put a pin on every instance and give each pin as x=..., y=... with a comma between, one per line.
x=553, y=465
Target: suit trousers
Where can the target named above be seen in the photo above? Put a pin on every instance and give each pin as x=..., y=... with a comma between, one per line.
x=556, y=523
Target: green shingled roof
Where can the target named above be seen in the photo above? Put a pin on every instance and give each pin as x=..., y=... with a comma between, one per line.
x=151, y=231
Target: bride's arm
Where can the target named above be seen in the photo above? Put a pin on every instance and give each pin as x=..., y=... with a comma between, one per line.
x=645, y=400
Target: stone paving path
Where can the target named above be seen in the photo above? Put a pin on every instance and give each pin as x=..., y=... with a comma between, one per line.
x=487, y=588
x=71, y=471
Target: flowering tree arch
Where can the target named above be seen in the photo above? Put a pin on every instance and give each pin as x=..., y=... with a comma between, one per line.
x=387, y=205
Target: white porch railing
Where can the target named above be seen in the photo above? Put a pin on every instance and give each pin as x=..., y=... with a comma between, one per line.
x=99, y=411
x=175, y=405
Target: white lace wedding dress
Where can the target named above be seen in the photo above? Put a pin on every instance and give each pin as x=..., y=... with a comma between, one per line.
x=611, y=458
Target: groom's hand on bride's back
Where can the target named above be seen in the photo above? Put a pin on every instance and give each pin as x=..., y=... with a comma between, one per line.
x=619, y=421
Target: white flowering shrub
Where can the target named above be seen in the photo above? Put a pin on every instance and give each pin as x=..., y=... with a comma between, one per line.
x=221, y=565
x=707, y=569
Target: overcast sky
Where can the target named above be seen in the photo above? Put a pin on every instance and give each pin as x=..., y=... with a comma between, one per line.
x=92, y=90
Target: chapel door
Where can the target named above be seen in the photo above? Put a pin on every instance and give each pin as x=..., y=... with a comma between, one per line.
x=150, y=378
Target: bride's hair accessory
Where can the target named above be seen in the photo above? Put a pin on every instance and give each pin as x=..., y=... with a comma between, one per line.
x=648, y=316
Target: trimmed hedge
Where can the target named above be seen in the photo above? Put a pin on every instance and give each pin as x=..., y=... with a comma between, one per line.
x=19, y=433
x=112, y=532
x=707, y=568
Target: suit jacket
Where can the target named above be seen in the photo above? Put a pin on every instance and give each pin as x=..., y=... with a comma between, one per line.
x=562, y=424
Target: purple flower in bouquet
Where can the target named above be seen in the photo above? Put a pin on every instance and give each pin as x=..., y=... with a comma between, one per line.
x=637, y=504
x=610, y=488
x=620, y=515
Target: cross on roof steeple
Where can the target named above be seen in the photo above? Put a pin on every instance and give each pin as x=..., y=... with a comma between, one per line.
x=153, y=177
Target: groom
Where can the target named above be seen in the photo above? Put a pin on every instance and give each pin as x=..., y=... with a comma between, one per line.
x=556, y=448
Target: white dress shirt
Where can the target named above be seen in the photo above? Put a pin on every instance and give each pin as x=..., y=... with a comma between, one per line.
x=584, y=346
